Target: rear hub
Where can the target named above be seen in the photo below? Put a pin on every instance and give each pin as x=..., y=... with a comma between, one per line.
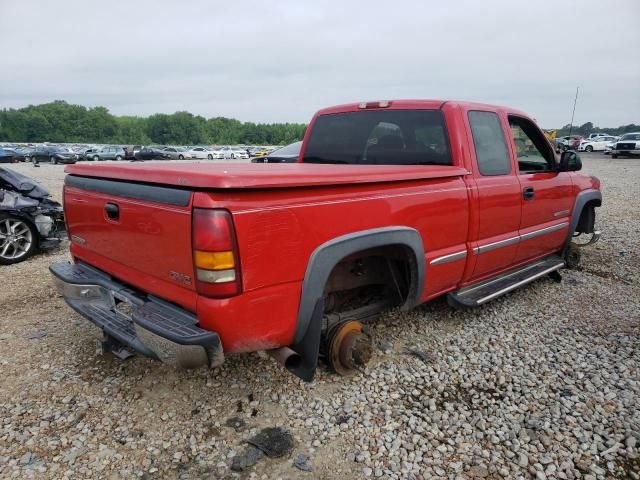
x=349, y=349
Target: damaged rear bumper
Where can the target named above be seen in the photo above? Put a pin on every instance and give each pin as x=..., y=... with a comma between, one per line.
x=146, y=324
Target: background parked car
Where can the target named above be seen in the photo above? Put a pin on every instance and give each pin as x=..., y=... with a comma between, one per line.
x=591, y=136
x=595, y=144
x=200, y=153
x=53, y=154
x=21, y=154
x=234, y=152
x=130, y=151
x=151, y=153
x=176, y=153
x=569, y=142
x=287, y=154
x=628, y=145
x=87, y=154
x=6, y=155
x=110, y=152
x=217, y=153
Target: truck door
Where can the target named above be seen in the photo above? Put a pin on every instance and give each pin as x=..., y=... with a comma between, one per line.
x=547, y=198
x=498, y=192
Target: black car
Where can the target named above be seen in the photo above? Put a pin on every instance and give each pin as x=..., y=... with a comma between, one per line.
x=150, y=153
x=21, y=154
x=287, y=154
x=53, y=154
x=29, y=220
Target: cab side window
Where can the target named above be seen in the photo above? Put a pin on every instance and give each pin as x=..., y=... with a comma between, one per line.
x=489, y=143
x=532, y=148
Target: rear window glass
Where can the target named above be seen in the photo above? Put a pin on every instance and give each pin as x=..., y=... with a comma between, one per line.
x=380, y=137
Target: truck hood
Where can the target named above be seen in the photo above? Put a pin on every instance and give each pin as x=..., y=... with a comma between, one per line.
x=260, y=175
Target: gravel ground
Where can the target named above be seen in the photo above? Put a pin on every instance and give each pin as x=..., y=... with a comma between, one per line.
x=542, y=383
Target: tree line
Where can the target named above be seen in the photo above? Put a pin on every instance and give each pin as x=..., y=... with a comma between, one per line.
x=61, y=122
x=589, y=127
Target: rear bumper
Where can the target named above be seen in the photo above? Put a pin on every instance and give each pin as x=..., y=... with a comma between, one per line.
x=146, y=324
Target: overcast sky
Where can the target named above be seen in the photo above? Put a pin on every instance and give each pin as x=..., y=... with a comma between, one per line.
x=282, y=60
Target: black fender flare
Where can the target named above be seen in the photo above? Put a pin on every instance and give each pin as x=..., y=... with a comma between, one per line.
x=582, y=199
x=322, y=262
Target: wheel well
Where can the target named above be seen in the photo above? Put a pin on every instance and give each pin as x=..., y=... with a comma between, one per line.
x=367, y=282
x=586, y=223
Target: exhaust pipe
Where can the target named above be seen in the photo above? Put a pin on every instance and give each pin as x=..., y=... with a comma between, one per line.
x=286, y=357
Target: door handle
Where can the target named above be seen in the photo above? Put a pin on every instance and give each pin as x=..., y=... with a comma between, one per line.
x=528, y=193
x=112, y=210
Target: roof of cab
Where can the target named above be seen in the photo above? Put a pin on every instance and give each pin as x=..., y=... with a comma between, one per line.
x=421, y=104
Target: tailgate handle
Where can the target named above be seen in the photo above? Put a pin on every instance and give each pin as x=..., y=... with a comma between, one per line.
x=112, y=210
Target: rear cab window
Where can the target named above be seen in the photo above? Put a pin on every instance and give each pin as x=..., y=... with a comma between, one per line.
x=489, y=142
x=380, y=137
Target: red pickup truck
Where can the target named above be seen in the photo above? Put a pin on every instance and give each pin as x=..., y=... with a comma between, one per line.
x=391, y=204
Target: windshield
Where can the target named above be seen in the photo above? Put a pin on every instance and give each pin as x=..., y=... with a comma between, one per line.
x=630, y=136
x=380, y=137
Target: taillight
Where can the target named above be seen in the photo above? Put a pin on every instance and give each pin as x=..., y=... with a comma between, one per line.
x=215, y=254
x=64, y=212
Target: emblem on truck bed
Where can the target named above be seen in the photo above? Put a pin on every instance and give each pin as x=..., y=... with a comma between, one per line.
x=180, y=277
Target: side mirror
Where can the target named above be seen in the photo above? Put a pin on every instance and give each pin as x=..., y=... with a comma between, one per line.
x=570, y=162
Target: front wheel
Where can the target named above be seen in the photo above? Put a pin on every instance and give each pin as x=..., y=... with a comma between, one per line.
x=233, y=156
x=210, y=157
x=96, y=158
x=180, y=157
x=53, y=160
x=18, y=239
x=118, y=158
x=588, y=148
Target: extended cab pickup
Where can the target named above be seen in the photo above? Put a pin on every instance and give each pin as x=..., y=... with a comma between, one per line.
x=391, y=204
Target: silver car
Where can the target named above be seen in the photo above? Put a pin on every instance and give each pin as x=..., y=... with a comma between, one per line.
x=177, y=153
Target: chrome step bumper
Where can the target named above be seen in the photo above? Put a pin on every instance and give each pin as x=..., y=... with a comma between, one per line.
x=146, y=324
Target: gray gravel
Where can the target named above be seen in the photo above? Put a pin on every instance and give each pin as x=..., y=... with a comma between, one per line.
x=542, y=383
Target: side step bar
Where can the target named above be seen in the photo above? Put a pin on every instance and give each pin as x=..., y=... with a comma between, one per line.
x=479, y=293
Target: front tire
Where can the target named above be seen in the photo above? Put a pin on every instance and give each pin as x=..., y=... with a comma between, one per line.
x=118, y=158
x=96, y=158
x=233, y=156
x=210, y=157
x=18, y=239
x=588, y=148
x=53, y=160
x=180, y=157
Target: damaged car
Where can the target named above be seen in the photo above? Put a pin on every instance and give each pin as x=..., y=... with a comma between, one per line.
x=29, y=220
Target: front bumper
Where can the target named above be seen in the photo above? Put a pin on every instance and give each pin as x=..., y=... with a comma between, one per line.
x=143, y=323
x=626, y=152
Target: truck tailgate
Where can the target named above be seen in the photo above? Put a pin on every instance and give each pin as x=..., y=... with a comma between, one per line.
x=139, y=233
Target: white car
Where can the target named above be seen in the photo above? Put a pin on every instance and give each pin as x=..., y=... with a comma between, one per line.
x=234, y=152
x=610, y=146
x=201, y=153
x=593, y=136
x=218, y=154
x=595, y=144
